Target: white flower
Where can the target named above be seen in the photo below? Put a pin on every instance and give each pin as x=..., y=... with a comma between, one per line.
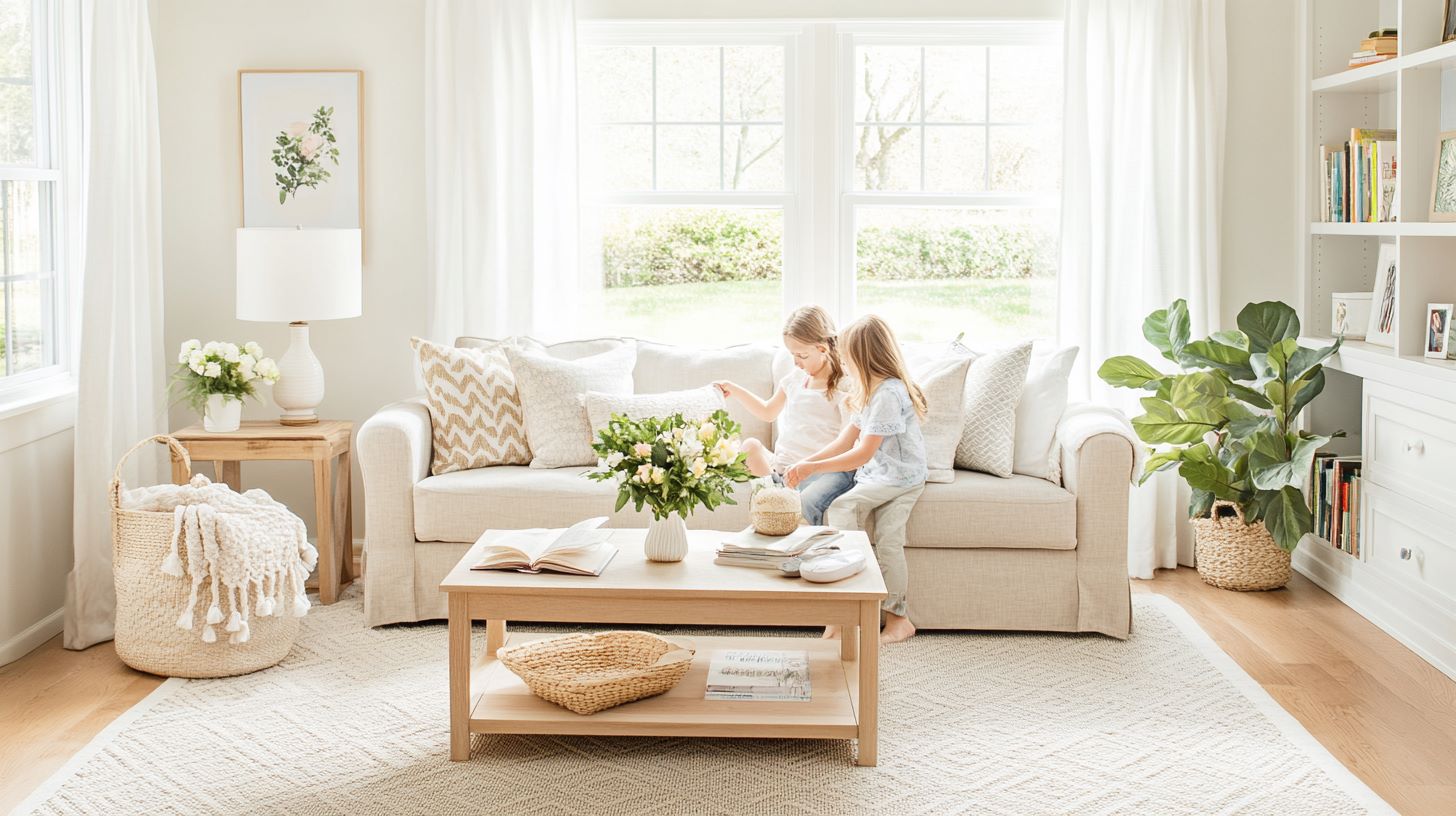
x=619, y=477
x=614, y=458
x=182, y=357
x=658, y=475
x=196, y=358
x=700, y=466
x=230, y=352
x=690, y=447
x=642, y=449
x=245, y=370
x=247, y=359
x=253, y=349
x=644, y=473
x=707, y=430
x=724, y=452
x=212, y=347
x=677, y=433
x=195, y=366
x=189, y=346
x=212, y=370
x=267, y=369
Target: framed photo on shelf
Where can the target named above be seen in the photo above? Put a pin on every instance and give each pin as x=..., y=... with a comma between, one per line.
x=302, y=147
x=1381, y=329
x=1448, y=23
x=1438, y=330
x=1443, y=178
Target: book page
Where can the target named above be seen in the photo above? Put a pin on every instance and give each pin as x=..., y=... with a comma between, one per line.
x=579, y=536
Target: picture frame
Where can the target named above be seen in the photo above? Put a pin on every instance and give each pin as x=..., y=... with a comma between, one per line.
x=1448, y=23
x=1443, y=178
x=1382, y=325
x=301, y=147
x=1438, y=330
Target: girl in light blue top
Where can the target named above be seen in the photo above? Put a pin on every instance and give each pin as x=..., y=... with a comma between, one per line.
x=883, y=440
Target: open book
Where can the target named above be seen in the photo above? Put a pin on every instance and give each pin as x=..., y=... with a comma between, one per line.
x=581, y=549
x=749, y=542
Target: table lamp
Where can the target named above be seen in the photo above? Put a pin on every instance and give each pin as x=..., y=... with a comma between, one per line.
x=296, y=275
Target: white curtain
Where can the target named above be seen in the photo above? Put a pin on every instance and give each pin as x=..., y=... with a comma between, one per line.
x=120, y=362
x=501, y=167
x=1143, y=161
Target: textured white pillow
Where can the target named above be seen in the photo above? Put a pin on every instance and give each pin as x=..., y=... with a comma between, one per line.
x=693, y=404
x=993, y=388
x=551, y=392
x=1042, y=404
x=944, y=381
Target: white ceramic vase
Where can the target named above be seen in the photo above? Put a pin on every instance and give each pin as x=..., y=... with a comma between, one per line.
x=222, y=414
x=667, y=539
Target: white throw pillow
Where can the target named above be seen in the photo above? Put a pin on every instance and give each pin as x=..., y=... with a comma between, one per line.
x=944, y=381
x=993, y=388
x=694, y=404
x=1043, y=401
x=551, y=392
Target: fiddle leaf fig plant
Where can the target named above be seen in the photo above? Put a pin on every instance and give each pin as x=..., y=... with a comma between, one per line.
x=1228, y=418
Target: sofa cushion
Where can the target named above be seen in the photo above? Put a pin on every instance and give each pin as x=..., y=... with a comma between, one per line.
x=694, y=404
x=993, y=387
x=475, y=412
x=662, y=367
x=980, y=510
x=460, y=506
x=552, y=391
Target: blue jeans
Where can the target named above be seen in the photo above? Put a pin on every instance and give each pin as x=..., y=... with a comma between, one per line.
x=817, y=492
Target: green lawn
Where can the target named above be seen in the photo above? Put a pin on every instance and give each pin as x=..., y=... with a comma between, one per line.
x=988, y=311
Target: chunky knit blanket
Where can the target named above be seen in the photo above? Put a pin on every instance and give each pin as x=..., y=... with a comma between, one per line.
x=251, y=551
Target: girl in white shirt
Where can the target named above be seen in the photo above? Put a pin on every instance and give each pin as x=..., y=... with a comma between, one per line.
x=809, y=405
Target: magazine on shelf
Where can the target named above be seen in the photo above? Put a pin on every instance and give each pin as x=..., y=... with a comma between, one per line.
x=759, y=675
x=581, y=549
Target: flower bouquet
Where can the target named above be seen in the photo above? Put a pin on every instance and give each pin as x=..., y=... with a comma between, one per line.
x=670, y=465
x=215, y=377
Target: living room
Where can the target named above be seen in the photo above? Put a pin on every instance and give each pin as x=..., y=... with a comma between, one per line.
x=1131, y=493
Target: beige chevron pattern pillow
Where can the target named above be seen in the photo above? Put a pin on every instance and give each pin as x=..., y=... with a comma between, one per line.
x=475, y=411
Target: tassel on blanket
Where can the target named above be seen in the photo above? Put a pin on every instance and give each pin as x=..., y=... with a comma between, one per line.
x=172, y=565
x=209, y=635
x=214, y=615
x=185, y=622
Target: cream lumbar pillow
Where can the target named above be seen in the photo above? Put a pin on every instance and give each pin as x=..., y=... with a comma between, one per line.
x=694, y=404
x=475, y=411
x=1042, y=404
x=552, y=392
x=943, y=380
x=993, y=388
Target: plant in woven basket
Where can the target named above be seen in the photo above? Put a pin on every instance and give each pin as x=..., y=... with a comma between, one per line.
x=671, y=465
x=1228, y=418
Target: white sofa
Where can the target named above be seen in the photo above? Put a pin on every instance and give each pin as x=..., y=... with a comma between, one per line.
x=1020, y=553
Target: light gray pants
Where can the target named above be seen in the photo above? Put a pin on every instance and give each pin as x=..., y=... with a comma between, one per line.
x=891, y=507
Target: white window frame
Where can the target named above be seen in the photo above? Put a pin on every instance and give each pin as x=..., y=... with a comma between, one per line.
x=56, y=77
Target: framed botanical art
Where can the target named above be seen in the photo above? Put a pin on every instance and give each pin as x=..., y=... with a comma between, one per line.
x=302, y=146
x=1443, y=178
x=1381, y=329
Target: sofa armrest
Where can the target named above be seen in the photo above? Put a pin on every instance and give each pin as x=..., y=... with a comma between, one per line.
x=394, y=449
x=1097, y=464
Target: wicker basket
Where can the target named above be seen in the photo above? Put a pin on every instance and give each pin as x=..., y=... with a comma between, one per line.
x=1232, y=554
x=590, y=673
x=775, y=510
x=148, y=601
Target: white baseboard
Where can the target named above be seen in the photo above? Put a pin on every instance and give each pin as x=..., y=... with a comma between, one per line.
x=26, y=642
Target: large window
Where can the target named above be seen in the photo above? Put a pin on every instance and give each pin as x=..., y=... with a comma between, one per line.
x=910, y=171
x=29, y=180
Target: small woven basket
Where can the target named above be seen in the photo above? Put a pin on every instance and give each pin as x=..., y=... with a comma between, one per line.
x=775, y=511
x=1232, y=554
x=149, y=601
x=591, y=673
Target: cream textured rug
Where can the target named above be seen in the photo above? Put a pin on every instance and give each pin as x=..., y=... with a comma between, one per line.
x=354, y=722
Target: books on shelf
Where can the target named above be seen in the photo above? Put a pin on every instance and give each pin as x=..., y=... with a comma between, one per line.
x=581, y=549
x=1335, y=501
x=1359, y=178
x=750, y=549
x=1380, y=46
x=759, y=675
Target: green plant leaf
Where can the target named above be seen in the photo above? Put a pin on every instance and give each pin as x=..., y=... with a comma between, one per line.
x=1268, y=323
x=1162, y=424
x=1127, y=371
x=1304, y=359
x=1199, y=387
x=1249, y=395
x=1272, y=471
x=1167, y=329
x=1304, y=390
x=1234, y=338
x=1207, y=473
x=1245, y=428
x=1287, y=517
x=1200, y=503
x=1212, y=354
x=1160, y=460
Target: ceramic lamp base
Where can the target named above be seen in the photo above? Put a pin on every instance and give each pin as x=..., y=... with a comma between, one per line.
x=300, y=386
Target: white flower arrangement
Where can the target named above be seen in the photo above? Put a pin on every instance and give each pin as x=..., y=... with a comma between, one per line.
x=671, y=464
x=204, y=369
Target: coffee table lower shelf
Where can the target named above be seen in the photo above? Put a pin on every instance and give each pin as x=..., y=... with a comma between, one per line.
x=500, y=703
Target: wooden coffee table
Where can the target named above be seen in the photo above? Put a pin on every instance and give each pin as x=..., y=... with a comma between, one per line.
x=487, y=698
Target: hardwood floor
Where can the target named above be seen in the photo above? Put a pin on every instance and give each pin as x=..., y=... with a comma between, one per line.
x=1383, y=712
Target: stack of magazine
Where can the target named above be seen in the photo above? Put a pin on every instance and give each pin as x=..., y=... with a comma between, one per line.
x=751, y=549
x=762, y=676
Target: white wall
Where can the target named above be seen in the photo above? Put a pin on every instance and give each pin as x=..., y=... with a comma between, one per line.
x=200, y=48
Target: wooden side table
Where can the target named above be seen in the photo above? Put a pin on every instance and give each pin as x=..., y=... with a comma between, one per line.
x=320, y=444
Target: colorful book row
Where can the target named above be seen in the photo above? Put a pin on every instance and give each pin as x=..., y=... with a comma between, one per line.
x=1358, y=181
x=1335, y=501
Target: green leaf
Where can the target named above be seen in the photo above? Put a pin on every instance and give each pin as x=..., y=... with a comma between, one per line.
x=1165, y=426
x=1127, y=371
x=1245, y=428
x=1272, y=471
x=1249, y=395
x=1207, y=473
x=1304, y=359
x=1305, y=389
x=1200, y=503
x=622, y=497
x=1234, y=338
x=1287, y=517
x=1160, y=460
x=1198, y=387
x=1212, y=354
x=1267, y=324
x=1167, y=329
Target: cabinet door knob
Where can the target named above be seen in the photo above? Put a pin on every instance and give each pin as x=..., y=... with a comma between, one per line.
x=1415, y=446
x=1405, y=553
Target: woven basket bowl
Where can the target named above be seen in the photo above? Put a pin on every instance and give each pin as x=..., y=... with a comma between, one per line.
x=1234, y=555
x=590, y=673
x=148, y=601
x=775, y=511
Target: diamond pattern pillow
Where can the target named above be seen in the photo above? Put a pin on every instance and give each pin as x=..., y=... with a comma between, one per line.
x=993, y=388
x=552, y=395
x=475, y=412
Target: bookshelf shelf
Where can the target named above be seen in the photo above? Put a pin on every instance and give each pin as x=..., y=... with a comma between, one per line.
x=1367, y=79
x=1391, y=229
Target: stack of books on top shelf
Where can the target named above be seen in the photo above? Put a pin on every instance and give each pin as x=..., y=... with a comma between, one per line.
x=1358, y=182
x=1335, y=501
x=1378, y=47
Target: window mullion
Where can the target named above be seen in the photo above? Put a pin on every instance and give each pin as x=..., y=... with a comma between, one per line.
x=654, y=117
x=924, y=132
x=722, y=117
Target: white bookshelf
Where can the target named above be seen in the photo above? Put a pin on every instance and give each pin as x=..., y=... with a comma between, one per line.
x=1405, y=577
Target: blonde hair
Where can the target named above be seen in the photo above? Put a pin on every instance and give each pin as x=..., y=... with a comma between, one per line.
x=813, y=325
x=870, y=344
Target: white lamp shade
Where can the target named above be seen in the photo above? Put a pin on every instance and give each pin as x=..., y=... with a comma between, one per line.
x=290, y=274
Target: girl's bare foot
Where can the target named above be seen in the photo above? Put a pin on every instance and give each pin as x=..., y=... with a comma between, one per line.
x=831, y=632
x=897, y=628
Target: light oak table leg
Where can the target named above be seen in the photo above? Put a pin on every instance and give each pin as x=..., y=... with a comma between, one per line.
x=179, y=472
x=346, y=508
x=459, y=676
x=848, y=641
x=323, y=508
x=869, y=683
x=229, y=473
x=495, y=636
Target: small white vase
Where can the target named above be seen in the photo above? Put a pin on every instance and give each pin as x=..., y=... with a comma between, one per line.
x=667, y=539
x=223, y=413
